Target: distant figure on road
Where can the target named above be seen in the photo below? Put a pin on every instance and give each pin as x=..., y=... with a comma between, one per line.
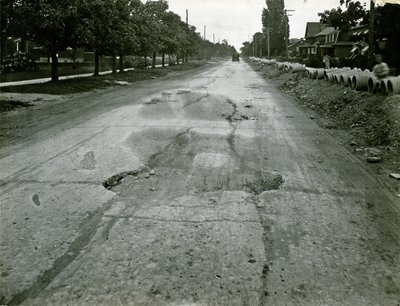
x=327, y=61
x=381, y=69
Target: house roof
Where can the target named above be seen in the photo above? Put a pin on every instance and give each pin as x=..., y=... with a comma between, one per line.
x=313, y=28
x=295, y=43
x=327, y=31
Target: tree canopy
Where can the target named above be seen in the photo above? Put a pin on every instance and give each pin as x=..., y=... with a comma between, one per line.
x=344, y=19
x=275, y=24
x=107, y=27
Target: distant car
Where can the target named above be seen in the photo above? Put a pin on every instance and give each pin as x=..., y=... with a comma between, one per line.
x=235, y=57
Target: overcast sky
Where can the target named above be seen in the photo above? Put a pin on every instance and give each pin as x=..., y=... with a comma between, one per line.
x=238, y=20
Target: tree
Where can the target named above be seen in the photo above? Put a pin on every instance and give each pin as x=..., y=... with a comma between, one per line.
x=190, y=42
x=125, y=29
x=344, y=19
x=51, y=23
x=150, y=27
x=387, y=29
x=108, y=28
x=246, y=49
x=275, y=20
x=6, y=13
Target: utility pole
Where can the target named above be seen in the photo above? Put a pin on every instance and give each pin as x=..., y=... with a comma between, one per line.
x=287, y=31
x=186, y=56
x=213, y=38
x=268, y=47
x=371, y=39
x=204, y=38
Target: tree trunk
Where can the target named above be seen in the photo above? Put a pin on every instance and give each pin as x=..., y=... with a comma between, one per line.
x=163, y=60
x=186, y=57
x=96, y=63
x=177, y=59
x=121, y=63
x=54, y=66
x=114, y=64
x=153, y=64
x=145, y=62
x=169, y=59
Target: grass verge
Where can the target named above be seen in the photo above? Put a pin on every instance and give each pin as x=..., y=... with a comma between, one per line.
x=85, y=84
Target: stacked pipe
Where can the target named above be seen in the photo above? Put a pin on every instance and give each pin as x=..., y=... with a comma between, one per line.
x=355, y=78
x=319, y=73
x=331, y=74
x=310, y=72
x=346, y=75
x=337, y=77
x=294, y=68
x=373, y=84
x=360, y=81
x=390, y=86
x=267, y=61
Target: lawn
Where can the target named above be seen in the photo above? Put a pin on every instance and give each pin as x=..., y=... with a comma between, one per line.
x=85, y=84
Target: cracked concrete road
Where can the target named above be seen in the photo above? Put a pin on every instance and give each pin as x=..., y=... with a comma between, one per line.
x=208, y=189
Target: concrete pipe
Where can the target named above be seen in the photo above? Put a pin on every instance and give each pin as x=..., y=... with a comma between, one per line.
x=345, y=78
x=319, y=73
x=269, y=62
x=281, y=66
x=336, y=78
x=384, y=85
x=360, y=81
x=310, y=72
x=373, y=84
x=393, y=86
x=340, y=77
x=328, y=72
x=297, y=68
x=330, y=76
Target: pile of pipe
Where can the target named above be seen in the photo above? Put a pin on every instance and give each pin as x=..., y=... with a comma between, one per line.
x=262, y=61
x=292, y=67
x=357, y=79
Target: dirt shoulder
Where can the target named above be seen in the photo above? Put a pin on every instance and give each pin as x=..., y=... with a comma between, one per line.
x=367, y=125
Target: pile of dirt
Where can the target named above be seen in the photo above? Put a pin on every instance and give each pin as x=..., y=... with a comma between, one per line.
x=359, y=120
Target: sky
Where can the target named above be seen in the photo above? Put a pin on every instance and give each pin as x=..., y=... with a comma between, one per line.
x=238, y=20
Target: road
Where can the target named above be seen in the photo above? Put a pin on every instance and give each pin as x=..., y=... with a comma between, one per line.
x=208, y=188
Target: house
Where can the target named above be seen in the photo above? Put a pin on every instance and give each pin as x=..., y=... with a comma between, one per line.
x=335, y=43
x=311, y=43
x=327, y=39
x=294, y=46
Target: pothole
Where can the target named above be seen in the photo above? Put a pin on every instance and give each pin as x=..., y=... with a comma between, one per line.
x=117, y=178
x=265, y=182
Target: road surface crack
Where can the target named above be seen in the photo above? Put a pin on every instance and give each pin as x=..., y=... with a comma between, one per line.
x=87, y=230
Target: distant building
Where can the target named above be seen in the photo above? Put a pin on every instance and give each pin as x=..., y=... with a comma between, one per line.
x=310, y=45
x=321, y=40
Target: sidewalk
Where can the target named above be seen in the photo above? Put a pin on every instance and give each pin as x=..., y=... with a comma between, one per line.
x=44, y=80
